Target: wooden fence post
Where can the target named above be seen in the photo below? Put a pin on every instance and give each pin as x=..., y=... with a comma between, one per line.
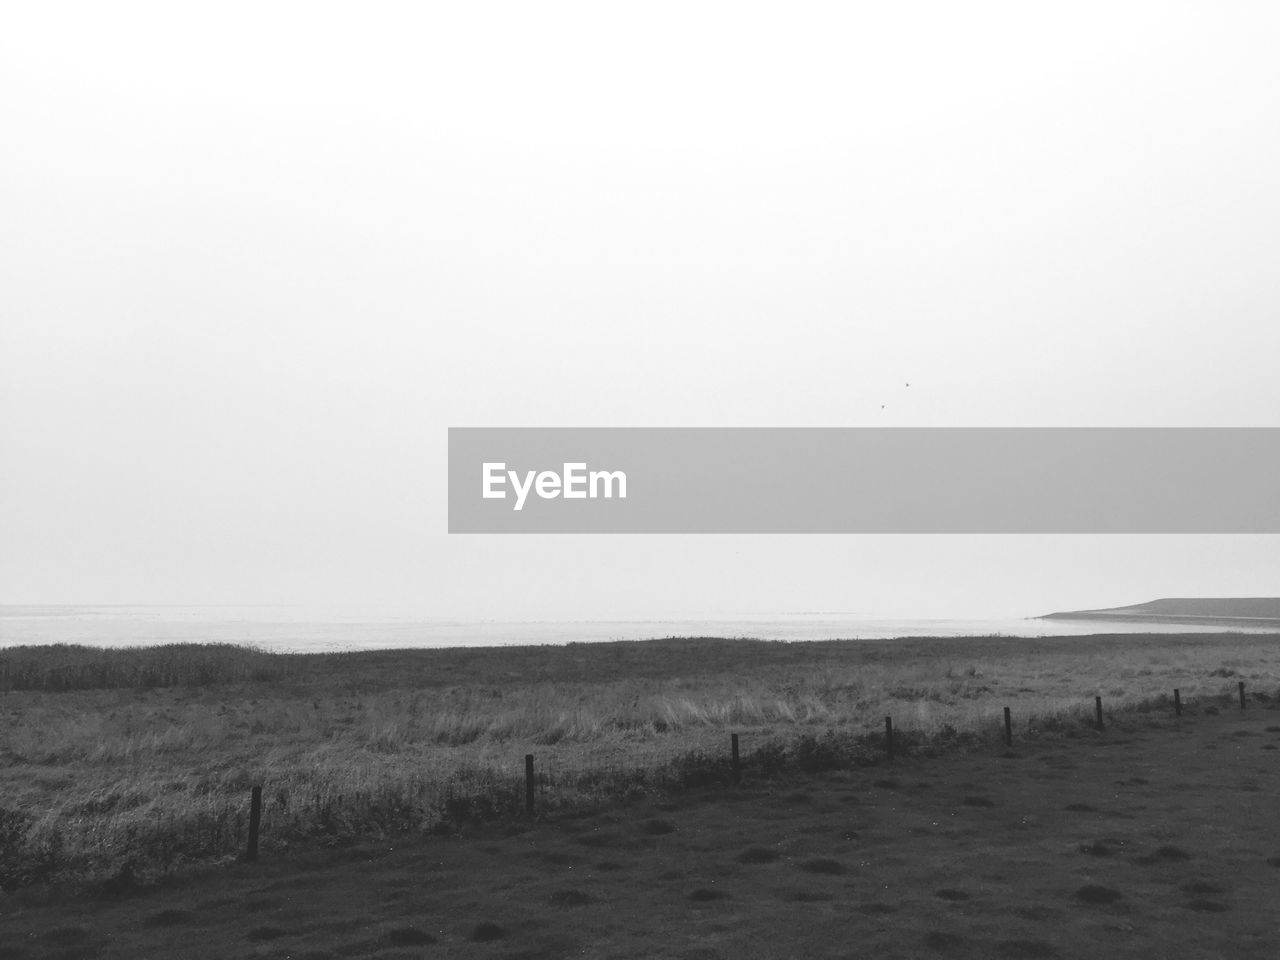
x=1177, y=702
x=737, y=763
x=888, y=738
x=1097, y=707
x=255, y=821
x=1008, y=728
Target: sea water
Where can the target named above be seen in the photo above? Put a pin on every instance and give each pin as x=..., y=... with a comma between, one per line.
x=319, y=629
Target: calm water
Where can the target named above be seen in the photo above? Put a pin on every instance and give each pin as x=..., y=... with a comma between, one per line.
x=313, y=629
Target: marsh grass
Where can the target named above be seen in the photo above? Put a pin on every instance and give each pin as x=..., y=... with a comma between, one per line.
x=62, y=667
x=143, y=758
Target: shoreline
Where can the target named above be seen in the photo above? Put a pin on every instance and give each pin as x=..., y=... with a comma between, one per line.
x=308, y=639
x=1190, y=620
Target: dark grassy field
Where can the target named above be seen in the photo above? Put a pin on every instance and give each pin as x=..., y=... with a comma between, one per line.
x=143, y=759
x=1154, y=838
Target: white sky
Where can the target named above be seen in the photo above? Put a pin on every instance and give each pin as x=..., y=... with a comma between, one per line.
x=256, y=258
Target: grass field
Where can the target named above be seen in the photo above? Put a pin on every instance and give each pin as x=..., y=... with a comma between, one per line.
x=142, y=760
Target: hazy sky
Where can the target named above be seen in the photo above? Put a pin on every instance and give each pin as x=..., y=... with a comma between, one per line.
x=256, y=258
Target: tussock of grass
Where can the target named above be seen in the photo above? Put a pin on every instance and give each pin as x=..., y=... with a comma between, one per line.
x=758, y=855
x=823, y=865
x=487, y=932
x=1093, y=893
x=703, y=895
x=409, y=937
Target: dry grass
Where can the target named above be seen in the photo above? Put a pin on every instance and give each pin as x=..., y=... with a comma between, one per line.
x=1177, y=829
x=146, y=756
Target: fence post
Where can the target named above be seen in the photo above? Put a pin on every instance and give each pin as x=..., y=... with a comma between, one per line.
x=255, y=821
x=1008, y=728
x=737, y=764
x=1241, y=694
x=888, y=738
x=1177, y=702
x=528, y=783
x=1097, y=707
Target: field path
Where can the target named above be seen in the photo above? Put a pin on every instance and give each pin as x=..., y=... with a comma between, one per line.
x=1158, y=839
